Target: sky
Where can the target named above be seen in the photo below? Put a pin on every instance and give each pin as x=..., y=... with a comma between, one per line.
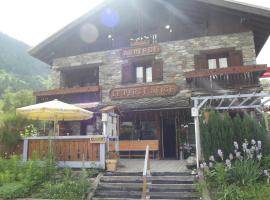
x=32, y=21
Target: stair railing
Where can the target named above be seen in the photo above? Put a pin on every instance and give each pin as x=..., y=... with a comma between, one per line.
x=146, y=172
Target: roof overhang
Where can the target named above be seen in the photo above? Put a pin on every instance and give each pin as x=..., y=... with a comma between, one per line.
x=261, y=25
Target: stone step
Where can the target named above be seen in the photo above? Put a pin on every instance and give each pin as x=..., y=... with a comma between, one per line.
x=123, y=174
x=138, y=186
x=118, y=194
x=188, y=173
x=99, y=198
x=172, y=186
x=121, y=186
x=130, y=179
x=174, y=195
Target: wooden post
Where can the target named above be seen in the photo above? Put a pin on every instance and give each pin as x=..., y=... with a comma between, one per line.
x=25, y=149
x=144, y=187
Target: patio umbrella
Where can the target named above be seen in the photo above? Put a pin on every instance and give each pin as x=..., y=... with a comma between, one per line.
x=54, y=111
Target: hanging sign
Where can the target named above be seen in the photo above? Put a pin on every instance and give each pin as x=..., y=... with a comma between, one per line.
x=140, y=51
x=158, y=90
x=97, y=139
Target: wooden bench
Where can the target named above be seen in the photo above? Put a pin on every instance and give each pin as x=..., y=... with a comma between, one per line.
x=137, y=146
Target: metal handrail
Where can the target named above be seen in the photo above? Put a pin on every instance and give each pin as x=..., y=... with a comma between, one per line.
x=146, y=172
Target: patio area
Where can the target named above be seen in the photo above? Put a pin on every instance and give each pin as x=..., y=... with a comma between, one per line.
x=136, y=165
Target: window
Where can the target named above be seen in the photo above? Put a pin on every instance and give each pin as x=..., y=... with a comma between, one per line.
x=81, y=77
x=139, y=74
x=143, y=73
x=217, y=61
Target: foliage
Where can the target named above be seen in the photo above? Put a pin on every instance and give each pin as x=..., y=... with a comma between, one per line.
x=221, y=130
x=12, y=127
x=41, y=179
x=236, y=178
x=13, y=190
x=245, y=172
x=19, y=70
x=66, y=186
x=13, y=100
x=230, y=192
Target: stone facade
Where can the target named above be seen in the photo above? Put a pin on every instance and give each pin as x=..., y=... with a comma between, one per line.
x=177, y=56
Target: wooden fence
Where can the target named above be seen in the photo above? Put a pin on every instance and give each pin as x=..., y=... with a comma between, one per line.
x=72, y=151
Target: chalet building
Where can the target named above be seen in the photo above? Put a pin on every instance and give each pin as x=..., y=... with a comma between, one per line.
x=147, y=59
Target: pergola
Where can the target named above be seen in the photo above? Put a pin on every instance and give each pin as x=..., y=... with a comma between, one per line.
x=253, y=101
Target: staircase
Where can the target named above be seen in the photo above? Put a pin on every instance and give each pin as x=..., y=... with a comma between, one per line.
x=161, y=185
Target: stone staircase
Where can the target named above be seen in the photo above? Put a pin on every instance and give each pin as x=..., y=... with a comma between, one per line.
x=162, y=185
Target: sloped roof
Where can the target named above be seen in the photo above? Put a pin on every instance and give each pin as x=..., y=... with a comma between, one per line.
x=260, y=15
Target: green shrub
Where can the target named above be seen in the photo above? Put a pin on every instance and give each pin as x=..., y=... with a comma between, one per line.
x=67, y=185
x=230, y=192
x=244, y=172
x=14, y=190
x=220, y=131
x=217, y=176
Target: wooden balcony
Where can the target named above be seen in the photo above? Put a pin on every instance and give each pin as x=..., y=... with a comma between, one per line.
x=225, y=78
x=73, y=90
x=70, y=95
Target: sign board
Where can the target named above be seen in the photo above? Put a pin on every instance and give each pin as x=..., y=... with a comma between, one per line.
x=158, y=90
x=97, y=139
x=140, y=51
x=194, y=112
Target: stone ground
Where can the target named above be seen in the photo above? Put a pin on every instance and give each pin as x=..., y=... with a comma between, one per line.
x=136, y=165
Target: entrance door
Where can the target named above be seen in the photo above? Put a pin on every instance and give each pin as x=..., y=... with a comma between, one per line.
x=169, y=139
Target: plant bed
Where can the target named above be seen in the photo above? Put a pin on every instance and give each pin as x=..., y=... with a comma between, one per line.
x=244, y=175
x=42, y=180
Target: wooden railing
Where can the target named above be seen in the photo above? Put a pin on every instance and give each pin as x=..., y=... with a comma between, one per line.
x=72, y=151
x=146, y=172
x=62, y=91
x=230, y=77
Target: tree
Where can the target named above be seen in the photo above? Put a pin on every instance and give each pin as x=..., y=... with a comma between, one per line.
x=13, y=100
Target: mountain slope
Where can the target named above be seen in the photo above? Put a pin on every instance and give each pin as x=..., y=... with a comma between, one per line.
x=18, y=70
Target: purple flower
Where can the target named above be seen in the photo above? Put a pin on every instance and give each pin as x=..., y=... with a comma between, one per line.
x=220, y=154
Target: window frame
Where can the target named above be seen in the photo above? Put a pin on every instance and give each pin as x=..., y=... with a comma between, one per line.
x=216, y=57
x=144, y=65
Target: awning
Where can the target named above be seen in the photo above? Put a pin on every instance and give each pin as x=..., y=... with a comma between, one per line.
x=266, y=74
x=88, y=105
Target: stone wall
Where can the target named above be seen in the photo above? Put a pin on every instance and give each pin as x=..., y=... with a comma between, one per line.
x=178, y=57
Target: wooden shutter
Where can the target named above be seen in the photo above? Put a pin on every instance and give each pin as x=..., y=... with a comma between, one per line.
x=200, y=61
x=157, y=70
x=235, y=58
x=128, y=73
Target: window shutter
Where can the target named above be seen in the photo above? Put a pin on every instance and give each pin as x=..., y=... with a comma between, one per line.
x=128, y=73
x=157, y=70
x=200, y=61
x=235, y=58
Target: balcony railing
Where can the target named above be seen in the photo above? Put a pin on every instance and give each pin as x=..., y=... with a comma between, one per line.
x=225, y=78
x=70, y=95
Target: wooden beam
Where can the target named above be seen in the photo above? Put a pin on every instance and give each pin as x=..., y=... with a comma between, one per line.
x=228, y=70
x=61, y=91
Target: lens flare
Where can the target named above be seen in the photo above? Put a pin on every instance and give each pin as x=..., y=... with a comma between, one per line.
x=89, y=33
x=109, y=17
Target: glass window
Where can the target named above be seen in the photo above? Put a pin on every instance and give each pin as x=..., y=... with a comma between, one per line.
x=139, y=74
x=223, y=62
x=149, y=74
x=212, y=64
